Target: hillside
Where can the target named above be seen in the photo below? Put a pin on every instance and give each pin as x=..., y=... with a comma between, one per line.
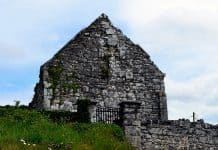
x=23, y=128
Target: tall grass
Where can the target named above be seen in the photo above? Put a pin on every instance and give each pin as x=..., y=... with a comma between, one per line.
x=30, y=129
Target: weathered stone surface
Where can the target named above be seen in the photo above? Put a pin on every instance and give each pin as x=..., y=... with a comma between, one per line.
x=103, y=65
x=179, y=134
x=131, y=121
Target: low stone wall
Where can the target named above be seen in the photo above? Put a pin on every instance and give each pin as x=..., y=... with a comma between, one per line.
x=179, y=134
x=166, y=135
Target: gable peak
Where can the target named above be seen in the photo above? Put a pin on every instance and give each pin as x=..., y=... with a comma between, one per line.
x=103, y=15
x=102, y=18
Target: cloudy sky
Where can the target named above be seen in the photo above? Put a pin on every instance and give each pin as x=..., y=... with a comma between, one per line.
x=181, y=37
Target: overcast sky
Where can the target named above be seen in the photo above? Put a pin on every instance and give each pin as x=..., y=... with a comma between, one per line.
x=181, y=37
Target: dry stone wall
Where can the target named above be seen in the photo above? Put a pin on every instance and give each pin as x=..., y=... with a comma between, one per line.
x=179, y=135
x=167, y=135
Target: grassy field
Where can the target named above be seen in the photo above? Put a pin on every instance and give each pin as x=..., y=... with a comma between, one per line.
x=22, y=129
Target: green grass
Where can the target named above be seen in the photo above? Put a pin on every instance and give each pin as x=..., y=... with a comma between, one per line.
x=39, y=132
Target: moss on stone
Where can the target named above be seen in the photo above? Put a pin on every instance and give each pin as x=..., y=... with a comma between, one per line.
x=71, y=83
x=105, y=71
x=60, y=82
x=54, y=71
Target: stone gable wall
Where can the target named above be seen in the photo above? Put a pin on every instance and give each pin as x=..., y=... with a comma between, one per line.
x=102, y=65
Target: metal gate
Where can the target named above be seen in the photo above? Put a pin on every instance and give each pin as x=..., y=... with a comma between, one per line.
x=107, y=114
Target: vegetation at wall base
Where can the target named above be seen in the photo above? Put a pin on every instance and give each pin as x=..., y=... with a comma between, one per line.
x=28, y=129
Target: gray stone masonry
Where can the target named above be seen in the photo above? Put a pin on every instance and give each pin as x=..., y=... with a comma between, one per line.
x=92, y=111
x=179, y=135
x=131, y=122
x=103, y=65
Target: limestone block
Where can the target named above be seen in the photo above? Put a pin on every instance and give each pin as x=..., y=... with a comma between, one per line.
x=155, y=131
x=123, y=52
x=85, y=88
x=129, y=74
x=110, y=31
x=101, y=42
x=55, y=107
x=113, y=40
x=105, y=24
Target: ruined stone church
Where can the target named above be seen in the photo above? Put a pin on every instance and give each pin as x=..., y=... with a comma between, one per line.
x=103, y=65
